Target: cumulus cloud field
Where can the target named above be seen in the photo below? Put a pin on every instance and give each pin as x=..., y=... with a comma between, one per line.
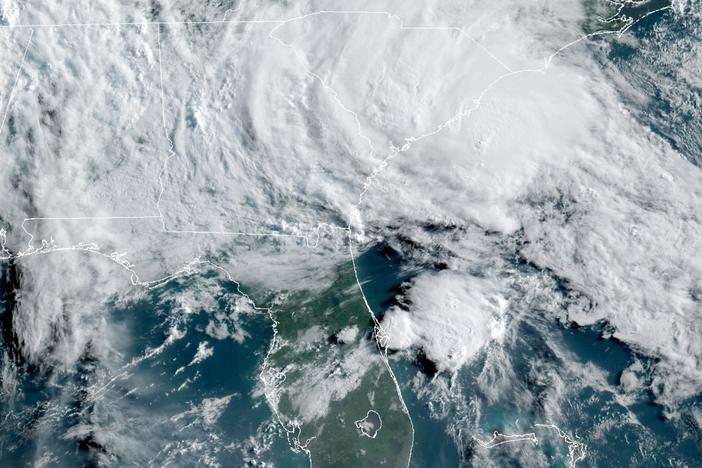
x=493, y=144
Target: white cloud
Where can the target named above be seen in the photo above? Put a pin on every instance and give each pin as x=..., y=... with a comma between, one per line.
x=261, y=145
x=204, y=351
x=450, y=316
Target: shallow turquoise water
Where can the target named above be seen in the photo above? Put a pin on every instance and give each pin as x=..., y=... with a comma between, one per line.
x=585, y=411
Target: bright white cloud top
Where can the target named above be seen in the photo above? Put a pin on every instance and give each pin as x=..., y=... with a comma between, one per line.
x=505, y=150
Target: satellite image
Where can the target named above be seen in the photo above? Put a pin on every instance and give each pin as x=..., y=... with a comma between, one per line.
x=351, y=233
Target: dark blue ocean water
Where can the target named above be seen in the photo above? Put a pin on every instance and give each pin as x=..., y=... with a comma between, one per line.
x=594, y=417
x=148, y=413
x=143, y=413
x=382, y=272
x=655, y=66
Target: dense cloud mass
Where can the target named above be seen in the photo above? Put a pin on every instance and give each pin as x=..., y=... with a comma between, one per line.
x=531, y=175
x=450, y=317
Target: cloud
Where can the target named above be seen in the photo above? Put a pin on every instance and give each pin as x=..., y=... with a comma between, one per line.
x=450, y=316
x=354, y=119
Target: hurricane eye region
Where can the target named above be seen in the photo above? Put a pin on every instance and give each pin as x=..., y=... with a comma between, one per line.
x=359, y=233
